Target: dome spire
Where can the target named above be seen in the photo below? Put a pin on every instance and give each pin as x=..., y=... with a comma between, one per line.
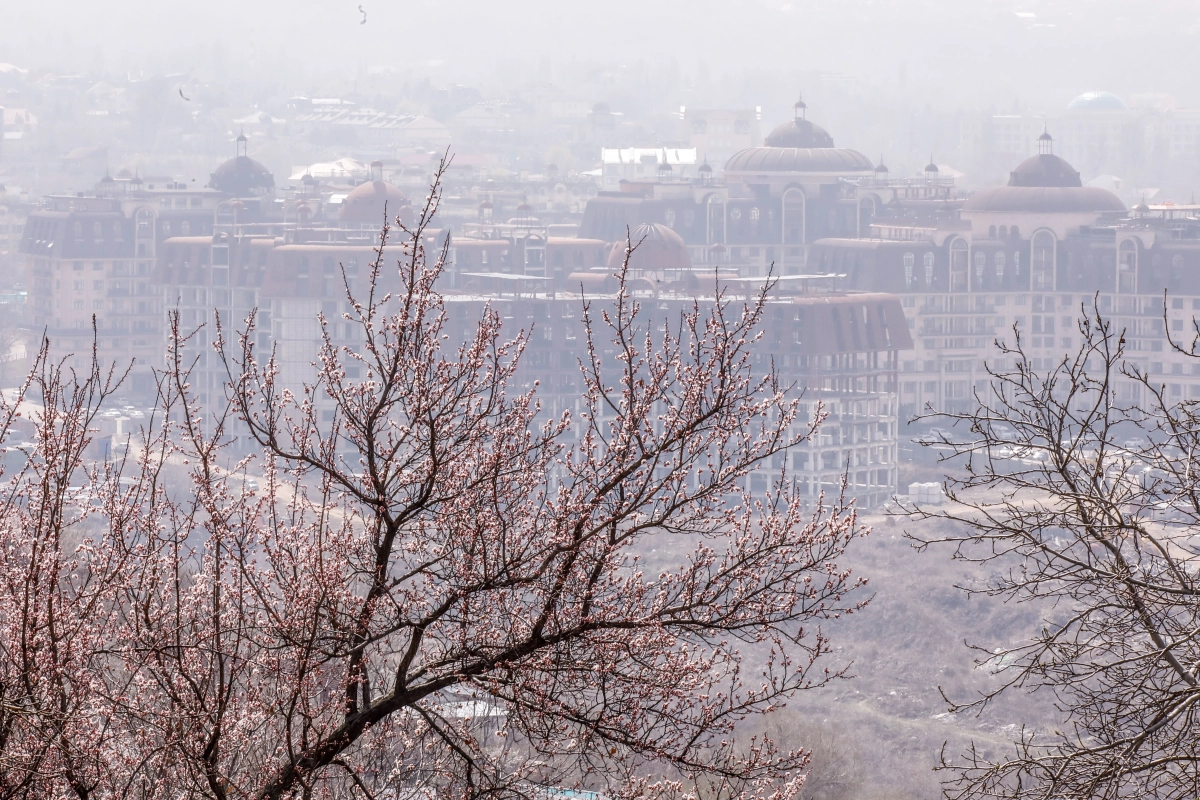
x=241, y=144
x=800, y=109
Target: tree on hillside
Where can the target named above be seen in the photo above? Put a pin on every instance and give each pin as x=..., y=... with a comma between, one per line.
x=1077, y=487
x=435, y=591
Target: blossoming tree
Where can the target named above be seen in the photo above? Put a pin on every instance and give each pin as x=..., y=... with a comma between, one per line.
x=436, y=590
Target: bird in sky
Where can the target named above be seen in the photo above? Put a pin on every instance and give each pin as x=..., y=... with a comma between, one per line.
x=181, y=94
x=364, y=18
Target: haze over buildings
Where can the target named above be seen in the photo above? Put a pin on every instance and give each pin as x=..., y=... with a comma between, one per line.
x=921, y=176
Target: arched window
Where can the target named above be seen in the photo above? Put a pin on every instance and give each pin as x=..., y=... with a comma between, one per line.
x=999, y=264
x=909, y=261
x=735, y=213
x=1043, y=247
x=185, y=228
x=1127, y=263
x=97, y=230
x=793, y=216
x=166, y=228
x=958, y=265
x=77, y=228
x=1017, y=263
x=1003, y=231
x=669, y=217
x=716, y=219
x=755, y=214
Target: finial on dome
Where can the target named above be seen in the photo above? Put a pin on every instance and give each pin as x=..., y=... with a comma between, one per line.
x=800, y=109
x=881, y=167
x=241, y=144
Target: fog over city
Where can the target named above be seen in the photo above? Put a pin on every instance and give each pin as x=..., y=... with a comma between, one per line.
x=440, y=399
x=890, y=78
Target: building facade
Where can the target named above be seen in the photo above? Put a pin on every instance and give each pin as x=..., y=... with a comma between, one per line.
x=1035, y=255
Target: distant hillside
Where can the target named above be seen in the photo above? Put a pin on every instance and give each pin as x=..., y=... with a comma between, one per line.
x=906, y=644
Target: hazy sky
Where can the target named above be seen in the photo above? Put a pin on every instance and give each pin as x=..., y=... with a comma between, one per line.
x=944, y=52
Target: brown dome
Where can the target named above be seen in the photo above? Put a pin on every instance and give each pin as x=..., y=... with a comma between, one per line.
x=799, y=133
x=1044, y=170
x=241, y=176
x=800, y=159
x=366, y=203
x=660, y=248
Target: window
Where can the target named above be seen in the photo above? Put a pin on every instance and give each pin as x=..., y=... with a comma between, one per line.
x=97, y=284
x=909, y=261
x=999, y=264
x=793, y=216
x=1043, y=248
x=78, y=305
x=78, y=286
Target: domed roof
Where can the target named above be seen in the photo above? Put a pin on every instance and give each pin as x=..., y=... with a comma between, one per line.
x=367, y=201
x=241, y=176
x=1097, y=101
x=1044, y=200
x=800, y=159
x=660, y=248
x=1045, y=169
x=799, y=133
